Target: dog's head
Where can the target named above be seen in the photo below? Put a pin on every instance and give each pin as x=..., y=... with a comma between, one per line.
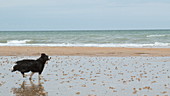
x=45, y=57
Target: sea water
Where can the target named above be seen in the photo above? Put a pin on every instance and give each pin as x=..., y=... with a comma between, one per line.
x=87, y=38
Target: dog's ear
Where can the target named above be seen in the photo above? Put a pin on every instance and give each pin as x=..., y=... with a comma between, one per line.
x=42, y=54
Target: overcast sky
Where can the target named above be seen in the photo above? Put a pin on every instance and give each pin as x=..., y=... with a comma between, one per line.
x=84, y=14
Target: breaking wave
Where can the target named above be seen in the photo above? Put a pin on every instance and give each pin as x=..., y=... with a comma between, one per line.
x=155, y=35
x=23, y=43
x=18, y=41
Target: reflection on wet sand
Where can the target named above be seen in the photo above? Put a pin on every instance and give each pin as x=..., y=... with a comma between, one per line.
x=30, y=89
x=90, y=76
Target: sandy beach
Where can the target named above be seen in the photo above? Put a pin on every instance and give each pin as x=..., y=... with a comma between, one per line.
x=82, y=51
x=88, y=71
x=89, y=76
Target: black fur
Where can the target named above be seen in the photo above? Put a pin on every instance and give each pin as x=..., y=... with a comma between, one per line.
x=27, y=65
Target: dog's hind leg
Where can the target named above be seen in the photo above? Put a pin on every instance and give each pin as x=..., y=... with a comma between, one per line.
x=31, y=75
x=23, y=74
x=39, y=76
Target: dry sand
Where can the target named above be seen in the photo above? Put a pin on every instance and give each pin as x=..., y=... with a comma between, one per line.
x=83, y=51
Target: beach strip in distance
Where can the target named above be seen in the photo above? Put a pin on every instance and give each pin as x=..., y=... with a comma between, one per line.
x=82, y=51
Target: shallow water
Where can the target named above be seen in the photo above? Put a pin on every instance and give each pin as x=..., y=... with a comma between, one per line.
x=93, y=76
x=88, y=38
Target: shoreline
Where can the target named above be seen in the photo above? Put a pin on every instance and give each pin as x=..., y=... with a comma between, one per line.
x=83, y=51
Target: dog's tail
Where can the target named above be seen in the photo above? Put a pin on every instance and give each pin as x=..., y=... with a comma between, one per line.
x=14, y=69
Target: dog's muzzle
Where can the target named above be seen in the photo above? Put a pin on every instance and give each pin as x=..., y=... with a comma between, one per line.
x=49, y=58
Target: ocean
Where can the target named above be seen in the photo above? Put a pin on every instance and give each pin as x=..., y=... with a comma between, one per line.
x=88, y=38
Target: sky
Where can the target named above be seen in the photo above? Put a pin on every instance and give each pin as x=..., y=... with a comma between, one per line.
x=84, y=14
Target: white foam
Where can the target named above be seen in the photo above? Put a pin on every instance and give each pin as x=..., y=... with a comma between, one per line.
x=155, y=35
x=156, y=44
x=17, y=41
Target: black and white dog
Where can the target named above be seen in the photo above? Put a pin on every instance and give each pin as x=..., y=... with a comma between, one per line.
x=34, y=66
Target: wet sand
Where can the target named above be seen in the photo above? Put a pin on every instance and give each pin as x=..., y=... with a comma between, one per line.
x=89, y=76
x=82, y=51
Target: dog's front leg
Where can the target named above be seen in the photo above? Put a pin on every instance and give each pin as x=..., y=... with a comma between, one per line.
x=31, y=75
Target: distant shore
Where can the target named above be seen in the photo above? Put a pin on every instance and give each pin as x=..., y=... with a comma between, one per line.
x=82, y=51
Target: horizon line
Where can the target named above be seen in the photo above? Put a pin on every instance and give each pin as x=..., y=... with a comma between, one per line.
x=89, y=30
